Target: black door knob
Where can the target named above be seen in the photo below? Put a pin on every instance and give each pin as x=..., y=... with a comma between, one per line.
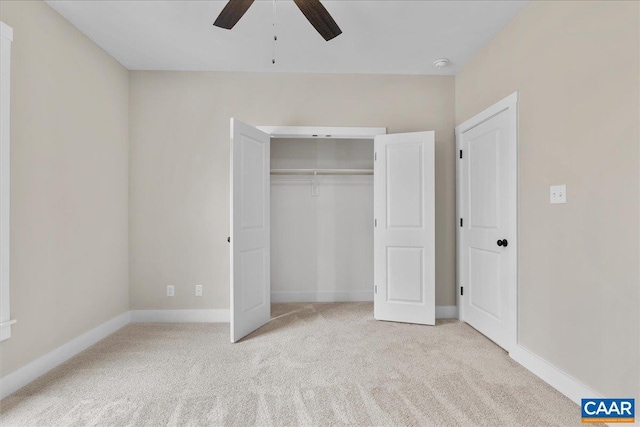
x=503, y=242
x=229, y=239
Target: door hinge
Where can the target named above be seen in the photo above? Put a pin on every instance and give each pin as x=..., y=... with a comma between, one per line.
x=460, y=153
x=375, y=289
x=461, y=290
x=375, y=156
x=460, y=222
x=375, y=222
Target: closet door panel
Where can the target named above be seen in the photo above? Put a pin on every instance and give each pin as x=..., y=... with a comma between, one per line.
x=250, y=230
x=404, y=228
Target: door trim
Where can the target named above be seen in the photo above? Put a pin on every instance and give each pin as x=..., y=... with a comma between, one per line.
x=509, y=104
x=323, y=132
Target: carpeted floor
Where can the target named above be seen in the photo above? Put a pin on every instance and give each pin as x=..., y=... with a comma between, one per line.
x=314, y=364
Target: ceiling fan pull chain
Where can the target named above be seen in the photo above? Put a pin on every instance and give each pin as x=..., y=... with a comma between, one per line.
x=275, y=36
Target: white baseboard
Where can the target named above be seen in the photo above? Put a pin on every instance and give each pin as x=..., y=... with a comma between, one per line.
x=180, y=316
x=29, y=372
x=552, y=375
x=346, y=296
x=446, y=312
x=19, y=378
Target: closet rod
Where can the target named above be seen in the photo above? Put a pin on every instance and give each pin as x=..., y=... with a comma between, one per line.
x=321, y=171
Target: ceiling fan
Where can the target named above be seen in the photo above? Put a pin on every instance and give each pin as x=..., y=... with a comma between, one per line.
x=313, y=10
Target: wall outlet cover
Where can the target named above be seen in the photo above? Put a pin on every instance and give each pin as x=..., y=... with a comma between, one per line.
x=170, y=290
x=558, y=194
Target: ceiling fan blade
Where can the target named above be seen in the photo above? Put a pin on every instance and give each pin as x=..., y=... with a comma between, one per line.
x=232, y=12
x=319, y=17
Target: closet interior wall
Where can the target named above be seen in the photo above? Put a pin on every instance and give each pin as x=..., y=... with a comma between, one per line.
x=322, y=239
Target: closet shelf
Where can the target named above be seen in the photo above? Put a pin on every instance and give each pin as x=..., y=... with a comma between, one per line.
x=321, y=171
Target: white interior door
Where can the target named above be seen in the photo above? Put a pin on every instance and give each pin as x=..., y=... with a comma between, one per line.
x=404, y=228
x=250, y=230
x=488, y=200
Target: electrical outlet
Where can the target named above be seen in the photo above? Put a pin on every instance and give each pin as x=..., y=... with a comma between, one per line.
x=558, y=194
x=198, y=290
x=170, y=290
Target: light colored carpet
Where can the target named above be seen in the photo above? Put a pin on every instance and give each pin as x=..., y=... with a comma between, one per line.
x=314, y=364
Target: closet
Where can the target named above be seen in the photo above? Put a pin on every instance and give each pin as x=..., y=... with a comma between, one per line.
x=321, y=219
x=331, y=214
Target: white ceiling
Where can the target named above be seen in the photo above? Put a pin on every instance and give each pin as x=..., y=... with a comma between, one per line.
x=379, y=37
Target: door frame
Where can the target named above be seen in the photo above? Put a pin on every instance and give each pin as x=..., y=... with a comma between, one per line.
x=322, y=132
x=510, y=105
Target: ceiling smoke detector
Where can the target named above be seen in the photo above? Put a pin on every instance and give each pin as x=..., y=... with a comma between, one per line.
x=441, y=63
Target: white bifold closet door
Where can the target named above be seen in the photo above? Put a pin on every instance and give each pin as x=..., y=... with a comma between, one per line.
x=250, y=229
x=404, y=242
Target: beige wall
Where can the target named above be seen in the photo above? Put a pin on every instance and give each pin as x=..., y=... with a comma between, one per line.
x=576, y=66
x=179, y=155
x=69, y=198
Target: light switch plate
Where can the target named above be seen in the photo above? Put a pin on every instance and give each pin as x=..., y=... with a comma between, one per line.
x=558, y=194
x=198, y=290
